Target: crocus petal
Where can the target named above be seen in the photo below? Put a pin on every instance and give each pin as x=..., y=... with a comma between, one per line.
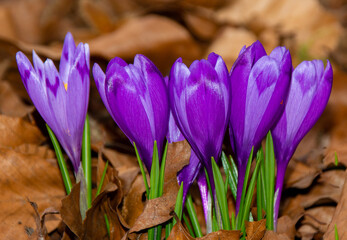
x=309, y=93
x=61, y=97
x=189, y=173
x=259, y=87
x=142, y=86
x=35, y=86
x=77, y=104
x=67, y=57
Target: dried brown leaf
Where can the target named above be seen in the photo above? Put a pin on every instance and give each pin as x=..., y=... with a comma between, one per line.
x=300, y=175
x=94, y=226
x=229, y=42
x=151, y=35
x=339, y=217
x=271, y=235
x=27, y=176
x=159, y=210
x=255, y=230
x=15, y=132
x=10, y=103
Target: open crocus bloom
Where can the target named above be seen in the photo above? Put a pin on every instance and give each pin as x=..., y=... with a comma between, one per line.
x=308, y=95
x=259, y=86
x=61, y=97
x=136, y=97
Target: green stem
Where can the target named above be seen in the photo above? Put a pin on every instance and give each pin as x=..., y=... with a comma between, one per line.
x=87, y=161
x=61, y=161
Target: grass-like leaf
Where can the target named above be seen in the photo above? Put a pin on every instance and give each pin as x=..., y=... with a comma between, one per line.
x=249, y=195
x=336, y=233
x=231, y=174
x=87, y=160
x=244, y=188
x=178, y=205
x=189, y=226
x=192, y=216
x=270, y=180
x=61, y=161
x=102, y=179
x=221, y=195
x=142, y=170
x=162, y=171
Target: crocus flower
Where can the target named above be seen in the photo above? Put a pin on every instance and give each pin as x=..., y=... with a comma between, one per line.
x=136, y=97
x=308, y=95
x=200, y=105
x=259, y=86
x=61, y=97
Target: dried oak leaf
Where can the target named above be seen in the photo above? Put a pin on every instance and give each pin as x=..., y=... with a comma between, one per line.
x=151, y=35
x=16, y=131
x=24, y=176
x=180, y=233
x=339, y=217
x=159, y=210
x=255, y=230
x=300, y=175
x=10, y=104
x=94, y=226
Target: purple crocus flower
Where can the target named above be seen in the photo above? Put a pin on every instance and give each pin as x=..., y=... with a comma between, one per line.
x=200, y=105
x=308, y=95
x=136, y=97
x=259, y=86
x=61, y=97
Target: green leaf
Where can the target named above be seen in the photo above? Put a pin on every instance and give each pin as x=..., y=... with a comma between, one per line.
x=189, y=226
x=230, y=172
x=162, y=171
x=233, y=222
x=154, y=176
x=193, y=217
x=221, y=195
x=107, y=225
x=270, y=180
x=179, y=203
x=244, y=188
x=260, y=190
x=87, y=160
x=336, y=233
x=336, y=159
x=61, y=161
x=215, y=226
x=142, y=170
x=102, y=179
x=249, y=195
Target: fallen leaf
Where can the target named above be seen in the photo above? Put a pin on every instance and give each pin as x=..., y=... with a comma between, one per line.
x=299, y=175
x=16, y=131
x=339, y=218
x=271, y=235
x=94, y=226
x=229, y=42
x=165, y=37
x=159, y=210
x=26, y=176
x=255, y=230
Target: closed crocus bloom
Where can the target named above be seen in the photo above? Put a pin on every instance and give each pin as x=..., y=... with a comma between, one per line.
x=200, y=104
x=259, y=86
x=61, y=97
x=308, y=95
x=136, y=97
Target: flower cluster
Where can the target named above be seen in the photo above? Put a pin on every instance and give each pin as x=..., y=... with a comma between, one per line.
x=198, y=103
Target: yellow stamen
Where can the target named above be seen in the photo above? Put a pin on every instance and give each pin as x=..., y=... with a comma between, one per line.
x=65, y=85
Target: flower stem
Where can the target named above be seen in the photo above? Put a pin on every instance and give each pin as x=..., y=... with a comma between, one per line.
x=278, y=192
x=61, y=161
x=193, y=217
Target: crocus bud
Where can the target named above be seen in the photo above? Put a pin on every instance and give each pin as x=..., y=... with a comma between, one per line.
x=61, y=97
x=259, y=87
x=308, y=95
x=200, y=105
x=136, y=97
